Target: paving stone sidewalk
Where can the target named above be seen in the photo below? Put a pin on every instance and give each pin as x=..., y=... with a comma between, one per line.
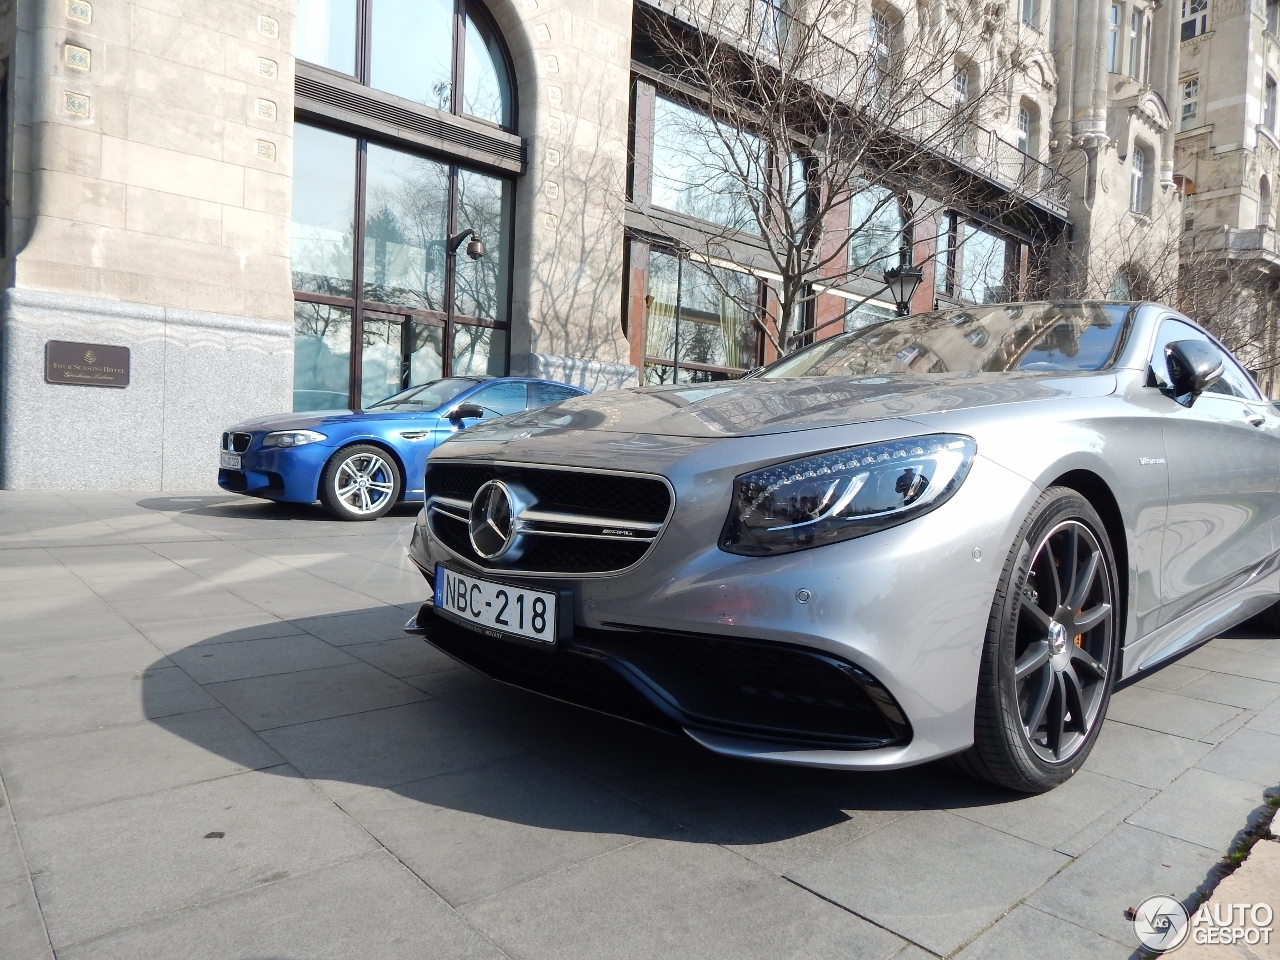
x=215, y=742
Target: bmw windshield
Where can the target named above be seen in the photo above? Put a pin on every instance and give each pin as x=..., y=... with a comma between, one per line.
x=1051, y=337
x=426, y=396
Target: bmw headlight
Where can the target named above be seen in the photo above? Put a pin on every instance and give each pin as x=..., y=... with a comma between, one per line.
x=843, y=494
x=291, y=438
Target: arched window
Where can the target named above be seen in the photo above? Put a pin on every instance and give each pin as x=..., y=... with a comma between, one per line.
x=1264, y=202
x=962, y=83
x=444, y=54
x=1121, y=288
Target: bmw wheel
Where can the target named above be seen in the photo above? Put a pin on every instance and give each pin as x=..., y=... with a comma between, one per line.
x=1052, y=649
x=361, y=482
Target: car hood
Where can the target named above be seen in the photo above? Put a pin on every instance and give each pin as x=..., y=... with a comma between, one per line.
x=755, y=407
x=315, y=420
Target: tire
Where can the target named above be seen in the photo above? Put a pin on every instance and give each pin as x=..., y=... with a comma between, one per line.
x=345, y=495
x=1052, y=650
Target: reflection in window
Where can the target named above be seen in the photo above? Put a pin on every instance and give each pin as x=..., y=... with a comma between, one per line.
x=411, y=52
x=380, y=361
x=982, y=260
x=876, y=226
x=405, y=229
x=501, y=399
x=700, y=168
x=1189, y=95
x=715, y=326
x=325, y=34
x=487, y=88
x=480, y=286
x=478, y=351
x=321, y=357
x=322, y=234
x=1195, y=18
x=1051, y=338
x=426, y=352
x=867, y=314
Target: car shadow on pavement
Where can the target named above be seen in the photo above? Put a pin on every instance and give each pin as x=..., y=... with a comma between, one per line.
x=232, y=506
x=360, y=710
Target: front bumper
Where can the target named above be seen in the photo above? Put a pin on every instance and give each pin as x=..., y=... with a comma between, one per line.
x=289, y=475
x=903, y=611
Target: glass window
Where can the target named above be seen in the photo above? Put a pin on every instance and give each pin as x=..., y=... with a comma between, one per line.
x=380, y=360
x=1135, y=43
x=876, y=227
x=541, y=394
x=406, y=324
x=1195, y=18
x=881, y=45
x=1189, y=95
x=1138, y=181
x=1053, y=337
x=866, y=314
x=427, y=51
x=427, y=396
x=480, y=351
x=704, y=169
x=1273, y=16
x=1113, y=40
x=1024, y=129
x=486, y=90
x=501, y=399
x=322, y=234
x=325, y=34
x=713, y=327
x=1121, y=289
x=1234, y=383
x=1031, y=13
x=1264, y=201
x=960, y=84
x=426, y=352
x=1269, y=105
x=406, y=227
x=321, y=357
x=982, y=266
x=480, y=286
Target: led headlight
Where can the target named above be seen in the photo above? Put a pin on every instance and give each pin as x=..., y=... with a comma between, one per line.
x=291, y=438
x=843, y=494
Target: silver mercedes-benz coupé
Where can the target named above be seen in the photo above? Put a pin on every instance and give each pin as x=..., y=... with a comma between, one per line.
x=944, y=535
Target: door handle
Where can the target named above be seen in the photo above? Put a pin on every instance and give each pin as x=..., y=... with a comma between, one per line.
x=1255, y=419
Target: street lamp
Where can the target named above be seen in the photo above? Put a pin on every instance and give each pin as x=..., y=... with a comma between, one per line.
x=902, y=282
x=475, y=249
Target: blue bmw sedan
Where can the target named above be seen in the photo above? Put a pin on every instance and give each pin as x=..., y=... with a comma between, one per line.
x=360, y=463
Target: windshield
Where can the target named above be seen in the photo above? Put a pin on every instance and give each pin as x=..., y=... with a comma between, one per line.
x=1059, y=337
x=426, y=396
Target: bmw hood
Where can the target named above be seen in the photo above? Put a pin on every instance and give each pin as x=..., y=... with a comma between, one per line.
x=756, y=407
x=316, y=420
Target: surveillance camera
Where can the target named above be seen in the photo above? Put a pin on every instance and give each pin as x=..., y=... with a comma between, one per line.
x=475, y=248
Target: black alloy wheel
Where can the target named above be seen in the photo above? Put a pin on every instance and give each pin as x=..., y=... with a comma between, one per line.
x=1052, y=649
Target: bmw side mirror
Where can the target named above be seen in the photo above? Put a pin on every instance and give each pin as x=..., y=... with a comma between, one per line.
x=465, y=411
x=1194, y=367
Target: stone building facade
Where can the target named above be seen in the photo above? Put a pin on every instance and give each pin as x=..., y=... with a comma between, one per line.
x=270, y=203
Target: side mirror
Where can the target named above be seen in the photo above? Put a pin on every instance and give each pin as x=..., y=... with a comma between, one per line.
x=1194, y=367
x=465, y=411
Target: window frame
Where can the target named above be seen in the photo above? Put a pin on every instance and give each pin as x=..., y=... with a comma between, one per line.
x=1189, y=96
x=1136, y=17
x=1269, y=103
x=461, y=10
x=1113, y=38
x=446, y=320
x=1140, y=180
x=1194, y=20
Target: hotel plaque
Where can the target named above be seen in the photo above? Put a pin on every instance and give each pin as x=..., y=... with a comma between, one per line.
x=88, y=364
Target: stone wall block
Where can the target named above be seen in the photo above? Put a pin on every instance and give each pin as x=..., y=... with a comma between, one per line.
x=175, y=128
x=186, y=87
x=88, y=199
x=145, y=165
x=173, y=38
x=69, y=149
x=186, y=218
x=268, y=190
x=255, y=231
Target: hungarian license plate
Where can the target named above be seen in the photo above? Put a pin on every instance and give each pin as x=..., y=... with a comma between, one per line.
x=229, y=461
x=496, y=608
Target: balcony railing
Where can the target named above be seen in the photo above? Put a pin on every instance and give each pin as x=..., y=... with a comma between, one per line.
x=1234, y=242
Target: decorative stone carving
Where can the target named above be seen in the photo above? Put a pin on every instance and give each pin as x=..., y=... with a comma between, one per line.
x=77, y=58
x=80, y=11
x=76, y=104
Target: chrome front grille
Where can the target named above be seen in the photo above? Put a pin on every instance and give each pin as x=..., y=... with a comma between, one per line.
x=582, y=523
x=236, y=442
